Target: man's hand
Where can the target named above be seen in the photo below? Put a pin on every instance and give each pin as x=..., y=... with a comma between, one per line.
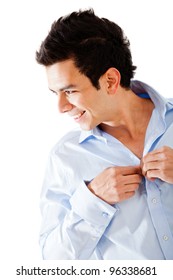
x=116, y=184
x=159, y=164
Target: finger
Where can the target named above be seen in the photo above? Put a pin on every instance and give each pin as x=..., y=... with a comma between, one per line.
x=127, y=187
x=157, y=154
x=131, y=187
x=132, y=179
x=126, y=195
x=151, y=165
x=153, y=174
x=153, y=157
x=131, y=170
x=129, y=194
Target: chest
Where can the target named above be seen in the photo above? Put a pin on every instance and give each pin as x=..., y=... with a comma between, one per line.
x=136, y=146
x=133, y=144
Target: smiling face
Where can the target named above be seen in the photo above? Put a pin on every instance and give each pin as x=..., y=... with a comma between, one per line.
x=77, y=96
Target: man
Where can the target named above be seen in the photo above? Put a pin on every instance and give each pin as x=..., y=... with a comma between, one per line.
x=108, y=188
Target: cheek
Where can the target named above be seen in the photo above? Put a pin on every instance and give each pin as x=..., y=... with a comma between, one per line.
x=88, y=101
x=76, y=99
x=82, y=103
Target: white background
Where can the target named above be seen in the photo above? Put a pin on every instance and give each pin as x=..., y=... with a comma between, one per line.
x=30, y=123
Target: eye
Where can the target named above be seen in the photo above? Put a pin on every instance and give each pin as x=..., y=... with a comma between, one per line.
x=70, y=92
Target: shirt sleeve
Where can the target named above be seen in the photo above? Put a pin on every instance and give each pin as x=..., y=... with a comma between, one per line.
x=73, y=218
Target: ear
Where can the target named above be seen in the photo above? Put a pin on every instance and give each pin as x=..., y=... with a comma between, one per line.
x=113, y=78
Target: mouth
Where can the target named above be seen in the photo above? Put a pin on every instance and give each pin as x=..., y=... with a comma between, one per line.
x=78, y=116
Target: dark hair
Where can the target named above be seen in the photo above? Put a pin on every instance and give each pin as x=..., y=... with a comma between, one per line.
x=95, y=44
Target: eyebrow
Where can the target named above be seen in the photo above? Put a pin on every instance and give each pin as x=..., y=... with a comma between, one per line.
x=70, y=86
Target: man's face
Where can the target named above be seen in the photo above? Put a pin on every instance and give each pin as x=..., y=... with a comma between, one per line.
x=76, y=95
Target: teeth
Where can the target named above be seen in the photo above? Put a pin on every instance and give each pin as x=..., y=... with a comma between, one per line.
x=79, y=115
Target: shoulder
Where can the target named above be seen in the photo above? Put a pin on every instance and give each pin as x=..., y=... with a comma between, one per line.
x=69, y=139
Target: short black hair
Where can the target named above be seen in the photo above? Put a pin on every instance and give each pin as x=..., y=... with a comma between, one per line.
x=95, y=44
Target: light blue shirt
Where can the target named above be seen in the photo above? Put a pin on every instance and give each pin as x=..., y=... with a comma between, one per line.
x=79, y=225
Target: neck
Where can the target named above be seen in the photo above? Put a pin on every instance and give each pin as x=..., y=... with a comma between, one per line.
x=130, y=116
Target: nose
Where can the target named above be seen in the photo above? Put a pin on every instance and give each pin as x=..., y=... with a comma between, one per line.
x=63, y=104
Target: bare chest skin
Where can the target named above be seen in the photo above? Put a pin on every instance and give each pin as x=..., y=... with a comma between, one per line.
x=135, y=145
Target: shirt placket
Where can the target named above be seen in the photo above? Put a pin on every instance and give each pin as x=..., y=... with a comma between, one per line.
x=159, y=219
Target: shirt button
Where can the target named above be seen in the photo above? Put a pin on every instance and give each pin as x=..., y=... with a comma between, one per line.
x=105, y=215
x=154, y=200
x=165, y=237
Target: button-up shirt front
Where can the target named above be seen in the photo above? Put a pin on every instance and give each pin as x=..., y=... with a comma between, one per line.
x=79, y=225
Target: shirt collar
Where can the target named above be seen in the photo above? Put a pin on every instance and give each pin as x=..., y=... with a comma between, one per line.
x=94, y=133
x=159, y=101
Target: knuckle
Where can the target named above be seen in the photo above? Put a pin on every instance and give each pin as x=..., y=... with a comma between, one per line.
x=112, y=170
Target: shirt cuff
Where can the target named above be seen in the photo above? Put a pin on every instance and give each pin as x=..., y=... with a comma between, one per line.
x=91, y=208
